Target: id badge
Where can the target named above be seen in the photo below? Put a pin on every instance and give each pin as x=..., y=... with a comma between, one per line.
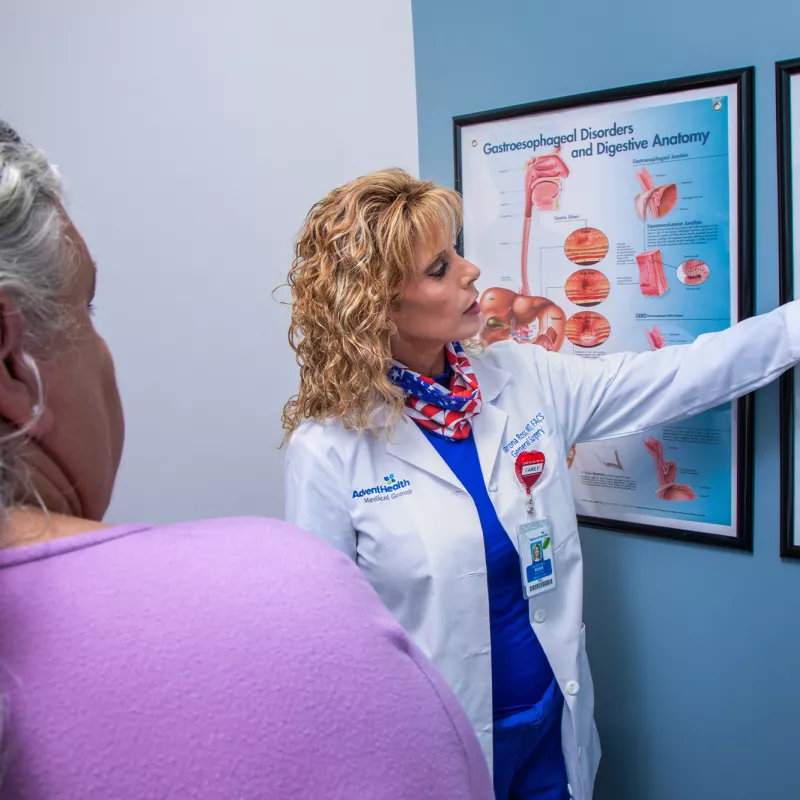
x=536, y=557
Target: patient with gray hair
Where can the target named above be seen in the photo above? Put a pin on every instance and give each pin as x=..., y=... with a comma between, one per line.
x=233, y=658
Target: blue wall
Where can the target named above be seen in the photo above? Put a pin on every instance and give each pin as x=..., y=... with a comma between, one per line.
x=695, y=651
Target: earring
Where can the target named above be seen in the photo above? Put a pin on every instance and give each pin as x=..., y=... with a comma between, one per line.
x=38, y=406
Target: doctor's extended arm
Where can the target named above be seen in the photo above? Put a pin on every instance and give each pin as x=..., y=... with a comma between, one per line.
x=315, y=495
x=626, y=393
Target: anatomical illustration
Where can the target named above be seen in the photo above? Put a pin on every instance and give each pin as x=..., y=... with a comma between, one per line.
x=652, y=280
x=588, y=329
x=693, y=272
x=666, y=472
x=606, y=250
x=613, y=461
x=571, y=457
x=654, y=338
x=543, y=177
x=654, y=201
x=606, y=455
x=586, y=246
x=587, y=287
x=521, y=316
x=534, y=320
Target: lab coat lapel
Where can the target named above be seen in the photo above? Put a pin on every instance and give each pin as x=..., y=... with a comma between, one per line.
x=408, y=442
x=489, y=426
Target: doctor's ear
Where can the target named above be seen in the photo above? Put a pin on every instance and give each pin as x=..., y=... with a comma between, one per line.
x=20, y=381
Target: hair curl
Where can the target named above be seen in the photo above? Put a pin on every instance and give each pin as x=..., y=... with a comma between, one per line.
x=353, y=258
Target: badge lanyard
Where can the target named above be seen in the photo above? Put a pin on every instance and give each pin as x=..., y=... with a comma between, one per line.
x=536, y=549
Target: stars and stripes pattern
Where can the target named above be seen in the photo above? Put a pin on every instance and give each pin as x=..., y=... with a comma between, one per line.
x=444, y=411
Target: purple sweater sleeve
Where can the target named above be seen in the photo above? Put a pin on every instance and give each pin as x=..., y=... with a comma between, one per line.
x=231, y=658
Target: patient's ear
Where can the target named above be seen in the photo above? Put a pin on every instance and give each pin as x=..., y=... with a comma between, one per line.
x=19, y=377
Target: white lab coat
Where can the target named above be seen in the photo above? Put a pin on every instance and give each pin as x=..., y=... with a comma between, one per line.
x=421, y=546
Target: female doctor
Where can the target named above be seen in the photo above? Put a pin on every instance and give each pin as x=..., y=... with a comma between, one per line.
x=443, y=513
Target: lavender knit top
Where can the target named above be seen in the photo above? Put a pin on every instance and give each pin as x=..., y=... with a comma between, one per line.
x=231, y=659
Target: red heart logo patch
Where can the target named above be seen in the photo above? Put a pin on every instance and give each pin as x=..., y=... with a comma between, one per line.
x=529, y=468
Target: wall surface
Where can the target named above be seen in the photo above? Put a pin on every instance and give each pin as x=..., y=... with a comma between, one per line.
x=194, y=137
x=695, y=650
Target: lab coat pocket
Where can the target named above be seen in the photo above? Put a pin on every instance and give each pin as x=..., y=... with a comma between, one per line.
x=552, y=495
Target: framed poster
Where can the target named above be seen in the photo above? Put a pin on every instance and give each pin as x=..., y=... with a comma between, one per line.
x=622, y=221
x=788, y=106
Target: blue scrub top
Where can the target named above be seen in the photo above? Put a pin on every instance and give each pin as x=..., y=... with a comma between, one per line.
x=521, y=673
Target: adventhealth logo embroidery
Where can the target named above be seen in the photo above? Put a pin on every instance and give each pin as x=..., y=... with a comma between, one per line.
x=390, y=489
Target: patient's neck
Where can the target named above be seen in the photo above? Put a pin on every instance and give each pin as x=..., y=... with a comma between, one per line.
x=27, y=525
x=51, y=507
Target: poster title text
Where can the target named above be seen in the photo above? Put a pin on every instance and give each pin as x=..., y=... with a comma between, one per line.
x=596, y=141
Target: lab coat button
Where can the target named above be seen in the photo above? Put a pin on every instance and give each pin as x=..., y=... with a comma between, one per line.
x=540, y=615
x=492, y=487
x=572, y=687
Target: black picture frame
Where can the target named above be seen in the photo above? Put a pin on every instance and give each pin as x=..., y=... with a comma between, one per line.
x=784, y=70
x=743, y=81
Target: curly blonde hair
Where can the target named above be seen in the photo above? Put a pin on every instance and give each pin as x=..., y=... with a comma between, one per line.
x=353, y=258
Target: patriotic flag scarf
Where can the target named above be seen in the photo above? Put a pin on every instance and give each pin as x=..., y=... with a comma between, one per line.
x=445, y=412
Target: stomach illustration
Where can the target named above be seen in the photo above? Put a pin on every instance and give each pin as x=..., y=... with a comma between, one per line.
x=525, y=319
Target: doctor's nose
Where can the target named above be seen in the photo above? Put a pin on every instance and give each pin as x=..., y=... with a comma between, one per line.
x=471, y=273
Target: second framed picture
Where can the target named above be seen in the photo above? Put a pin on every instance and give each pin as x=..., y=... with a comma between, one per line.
x=622, y=221
x=788, y=106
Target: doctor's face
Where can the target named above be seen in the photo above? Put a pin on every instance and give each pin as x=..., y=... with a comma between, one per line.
x=440, y=302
